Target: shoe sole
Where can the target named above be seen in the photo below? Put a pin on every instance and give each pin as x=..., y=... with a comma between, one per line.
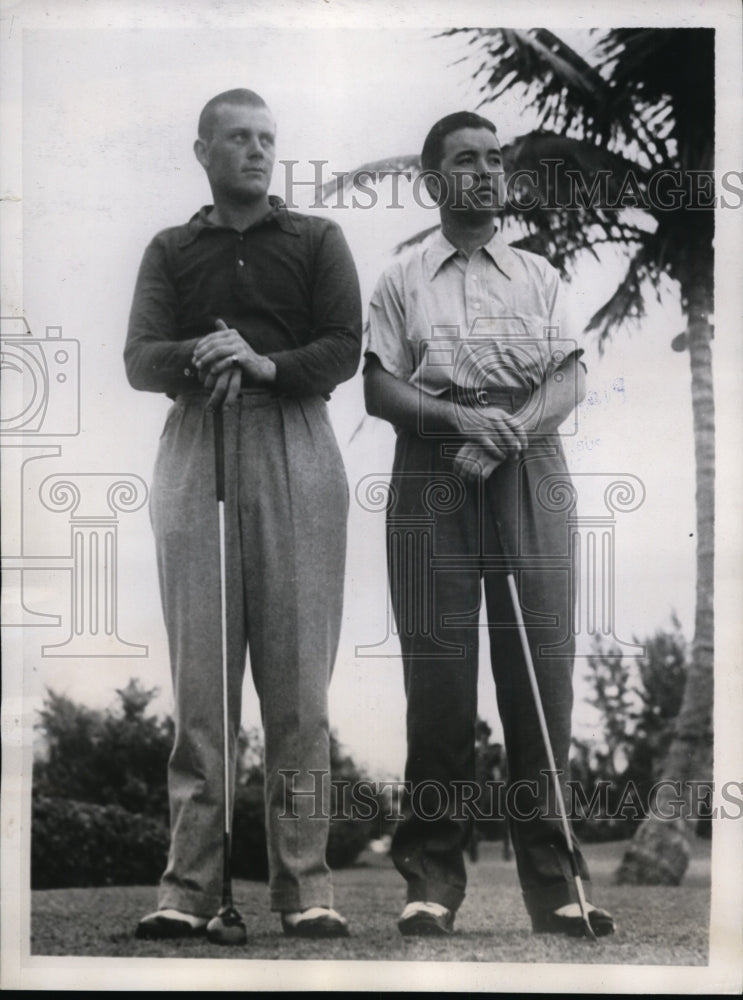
x=322, y=927
x=168, y=930
x=601, y=925
x=423, y=925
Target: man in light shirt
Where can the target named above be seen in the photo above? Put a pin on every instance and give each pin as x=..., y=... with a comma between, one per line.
x=468, y=359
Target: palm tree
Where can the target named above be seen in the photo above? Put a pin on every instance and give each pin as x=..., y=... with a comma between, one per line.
x=624, y=144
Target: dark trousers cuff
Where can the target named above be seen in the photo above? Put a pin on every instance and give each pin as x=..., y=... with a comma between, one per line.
x=424, y=891
x=548, y=898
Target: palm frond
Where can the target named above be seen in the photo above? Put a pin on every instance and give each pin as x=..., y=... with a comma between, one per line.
x=358, y=429
x=371, y=172
x=416, y=238
x=632, y=98
x=628, y=301
x=651, y=77
x=565, y=89
x=564, y=164
x=570, y=199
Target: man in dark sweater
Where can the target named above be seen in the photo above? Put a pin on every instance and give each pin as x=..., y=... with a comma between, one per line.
x=255, y=311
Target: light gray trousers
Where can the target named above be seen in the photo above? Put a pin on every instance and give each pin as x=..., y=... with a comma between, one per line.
x=286, y=507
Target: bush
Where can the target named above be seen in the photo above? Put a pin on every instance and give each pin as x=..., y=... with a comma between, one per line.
x=100, y=809
x=638, y=701
x=112, y=758
x=249, y=852
x=347, y=839
x=84, y=844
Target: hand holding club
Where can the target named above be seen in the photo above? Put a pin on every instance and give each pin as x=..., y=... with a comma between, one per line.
x=225, y=361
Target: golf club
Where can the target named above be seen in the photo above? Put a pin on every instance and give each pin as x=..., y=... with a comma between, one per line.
x=227, y=927
x=545, y=734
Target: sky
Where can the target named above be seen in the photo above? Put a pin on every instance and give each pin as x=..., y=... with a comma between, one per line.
x=108, y=119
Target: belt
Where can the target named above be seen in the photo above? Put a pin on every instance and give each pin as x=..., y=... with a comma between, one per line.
x=250, y=396
x=511, y=399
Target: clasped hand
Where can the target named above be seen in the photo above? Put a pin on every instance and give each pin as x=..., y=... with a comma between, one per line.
x=494, y=436
x=224, y=360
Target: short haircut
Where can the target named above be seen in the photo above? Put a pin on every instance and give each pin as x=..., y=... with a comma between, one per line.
x=209, y=113
x=434, y=144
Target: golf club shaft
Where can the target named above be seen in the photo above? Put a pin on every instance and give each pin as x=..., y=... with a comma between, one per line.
x=220, y=490
x=534, y=684
x=547, y=745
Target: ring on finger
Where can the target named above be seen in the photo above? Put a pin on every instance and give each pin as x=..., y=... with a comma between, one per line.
x=234, y=360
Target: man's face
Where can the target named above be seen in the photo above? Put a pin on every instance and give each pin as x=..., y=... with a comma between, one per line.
x=471, y=171
x=238, y=157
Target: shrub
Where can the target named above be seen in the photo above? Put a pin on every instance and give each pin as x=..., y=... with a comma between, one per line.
x=100, y=806
x=112, y=757
x=347, y=839
x=85, y=844
x=249, y=853
x=638, y=701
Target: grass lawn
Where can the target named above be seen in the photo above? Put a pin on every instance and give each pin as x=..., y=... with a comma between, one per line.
x=656, y=926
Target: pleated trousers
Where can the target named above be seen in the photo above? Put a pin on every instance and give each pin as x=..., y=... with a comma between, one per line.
x=286, y=506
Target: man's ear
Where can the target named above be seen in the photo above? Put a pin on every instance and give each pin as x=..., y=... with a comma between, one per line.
x=432, y=180
x=201, y=152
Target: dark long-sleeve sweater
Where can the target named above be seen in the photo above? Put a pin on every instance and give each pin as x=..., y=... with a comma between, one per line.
x=288, y=284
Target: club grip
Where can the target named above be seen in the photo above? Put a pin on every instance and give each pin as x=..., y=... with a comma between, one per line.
x=219, y=455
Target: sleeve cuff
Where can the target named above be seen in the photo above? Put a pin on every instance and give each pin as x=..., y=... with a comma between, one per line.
x=384, y=363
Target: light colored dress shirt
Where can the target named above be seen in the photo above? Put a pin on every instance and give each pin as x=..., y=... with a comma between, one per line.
x=496, y=319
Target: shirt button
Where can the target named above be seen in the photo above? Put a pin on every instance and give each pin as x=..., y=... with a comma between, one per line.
x=241, y=263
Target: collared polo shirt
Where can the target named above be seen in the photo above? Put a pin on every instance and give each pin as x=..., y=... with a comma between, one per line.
x=496, y=319
x=288, y=284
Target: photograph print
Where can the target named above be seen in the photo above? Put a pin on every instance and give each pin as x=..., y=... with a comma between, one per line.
x=371, y=565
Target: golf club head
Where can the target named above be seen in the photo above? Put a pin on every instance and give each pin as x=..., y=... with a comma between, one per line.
x=227, y=927
x=589, y=931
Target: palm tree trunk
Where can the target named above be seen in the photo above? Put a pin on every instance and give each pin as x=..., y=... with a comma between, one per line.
x=659, y=851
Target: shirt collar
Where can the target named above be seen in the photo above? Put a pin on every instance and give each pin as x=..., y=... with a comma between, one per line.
x=279, y=215
x=439, y=250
